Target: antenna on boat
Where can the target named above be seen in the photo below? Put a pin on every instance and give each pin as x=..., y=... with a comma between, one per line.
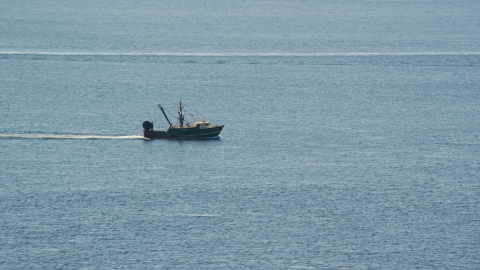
x=164, y=114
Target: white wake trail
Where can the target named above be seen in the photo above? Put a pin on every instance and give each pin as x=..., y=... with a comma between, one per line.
x=70, y=136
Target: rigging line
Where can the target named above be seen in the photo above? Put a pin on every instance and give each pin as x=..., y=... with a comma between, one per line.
x=188, y=112
x=171, y=114
x=185, y=113
x=193, y=115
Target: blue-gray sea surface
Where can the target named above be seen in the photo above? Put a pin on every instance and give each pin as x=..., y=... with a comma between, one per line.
x=351, y=138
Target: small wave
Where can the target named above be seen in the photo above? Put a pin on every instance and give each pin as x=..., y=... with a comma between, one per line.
x=71, y=136
x=237, y=54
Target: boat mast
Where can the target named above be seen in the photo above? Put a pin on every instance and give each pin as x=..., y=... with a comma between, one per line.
x=164, y=114
x=181, y=117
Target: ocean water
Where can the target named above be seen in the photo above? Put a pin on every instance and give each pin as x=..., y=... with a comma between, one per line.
x=351, y=138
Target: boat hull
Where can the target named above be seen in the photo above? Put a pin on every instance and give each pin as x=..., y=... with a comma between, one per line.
x=185, y=133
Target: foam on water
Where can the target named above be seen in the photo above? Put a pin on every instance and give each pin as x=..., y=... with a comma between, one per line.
x=70, y=136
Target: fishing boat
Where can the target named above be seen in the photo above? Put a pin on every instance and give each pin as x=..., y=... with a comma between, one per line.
x=201, y=129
